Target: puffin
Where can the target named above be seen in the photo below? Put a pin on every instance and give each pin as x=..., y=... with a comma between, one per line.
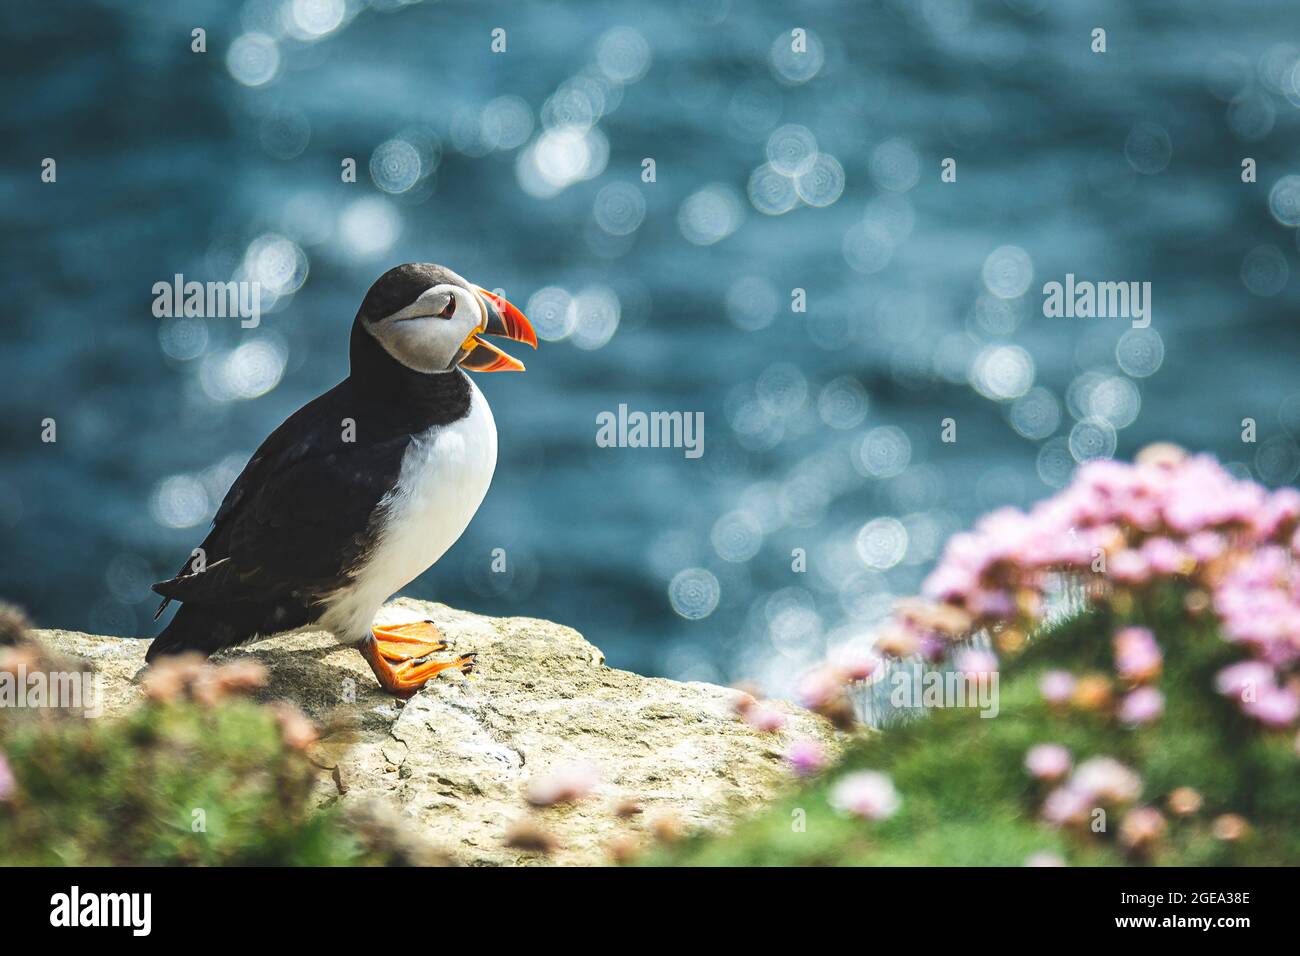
x=362, y=489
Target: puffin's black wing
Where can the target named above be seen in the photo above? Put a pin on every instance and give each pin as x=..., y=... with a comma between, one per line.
x=292, y=527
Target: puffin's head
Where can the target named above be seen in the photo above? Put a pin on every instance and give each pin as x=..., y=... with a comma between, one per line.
x=430, y=320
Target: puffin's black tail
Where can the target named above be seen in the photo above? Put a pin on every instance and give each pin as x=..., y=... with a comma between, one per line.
x=205, y=629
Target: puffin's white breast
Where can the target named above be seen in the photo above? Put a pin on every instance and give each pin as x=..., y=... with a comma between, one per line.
x=444, y=477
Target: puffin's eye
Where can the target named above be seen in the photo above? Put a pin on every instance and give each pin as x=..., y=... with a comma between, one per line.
x=449, y=309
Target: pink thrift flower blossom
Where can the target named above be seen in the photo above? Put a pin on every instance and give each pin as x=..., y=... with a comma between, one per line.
x=1066, y=805
x=1280, y=512
x=1047, y=761
x=896, y=640
x=1057, y=687
x=1259, y=604
x=1141, y=827
x=992, y=604
x=973, y=660
x=765, y=718
x=819, y=687
x=1274, y=707
x=806, y=757
x=1108, y=780
x=1129, y=567
x=1137, y=656
x=866, y=793
x=1044, y=859
x=1244, y=679
x=1163, y=556
x=933, y=648
x=1166, y=516
x=1203, y=495
x=1205, y=546
x=1140, y=512
x=855, y=664
x=949, y=582
x=7, y=782
x=566, y=783
x=1141, y=706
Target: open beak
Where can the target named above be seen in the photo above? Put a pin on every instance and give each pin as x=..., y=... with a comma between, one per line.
x=505, y=320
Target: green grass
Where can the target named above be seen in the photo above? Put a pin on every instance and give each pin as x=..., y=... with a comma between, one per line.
x=125, y=791
x=967, y=799
x=169, y=783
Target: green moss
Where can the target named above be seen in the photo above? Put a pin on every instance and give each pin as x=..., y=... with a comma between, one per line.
x=967, y=799
x=169, y=783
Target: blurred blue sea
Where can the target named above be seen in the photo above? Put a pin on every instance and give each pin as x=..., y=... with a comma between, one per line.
x=775, y=170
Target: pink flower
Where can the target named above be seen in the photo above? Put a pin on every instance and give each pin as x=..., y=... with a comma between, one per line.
x=1057, y=687
x=1047, y=761
x=1203, y=495
x=992, y=604
x=1280, y=512
x=1168, y=516
x=1259, y=603
x=1141, y=827
x=1164, y=557
x=973, y=660
x=819, y=687
x=1274, y=706
x=566, y=783
x=1044, y=859
x=7, y=782
x=1129, y=567
x=897, y=640
x=1108, y=780
x=866, y=793
x=765, y=718
x=1141, y=706
x=1066, y=805
x=1244, y=679
x=933, y=648
x=855, y=664
x=949, y=582
x=1137, y=656
x=806, y=757
x=1205, y=546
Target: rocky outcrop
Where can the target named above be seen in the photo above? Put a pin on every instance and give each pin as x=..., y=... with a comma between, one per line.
x=456, y=761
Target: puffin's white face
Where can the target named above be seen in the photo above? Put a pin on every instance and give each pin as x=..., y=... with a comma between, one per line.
x=430, y=320
x=428, y=335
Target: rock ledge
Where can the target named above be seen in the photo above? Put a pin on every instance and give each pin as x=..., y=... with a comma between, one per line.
x=456, y=759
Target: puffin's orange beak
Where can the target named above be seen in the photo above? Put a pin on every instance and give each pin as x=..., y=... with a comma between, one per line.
x=505, y=320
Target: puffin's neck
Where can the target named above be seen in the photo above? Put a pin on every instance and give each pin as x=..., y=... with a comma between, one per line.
x=418, y=398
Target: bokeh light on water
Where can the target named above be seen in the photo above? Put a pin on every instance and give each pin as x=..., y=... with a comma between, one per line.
x=694, y=593
x=395, y=166
x=1036, y=414
x=253, y=59
x=656, y=189
x=792, y=150
x=710, y=215
x=1008, y=271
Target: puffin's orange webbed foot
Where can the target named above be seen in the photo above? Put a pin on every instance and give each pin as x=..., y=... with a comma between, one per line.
x=404, y=678
x=406, y=642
